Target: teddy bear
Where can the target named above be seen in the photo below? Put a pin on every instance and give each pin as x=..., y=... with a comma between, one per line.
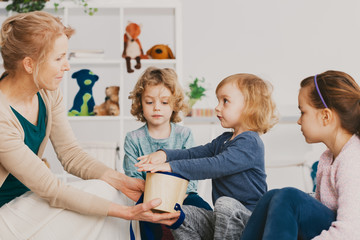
x=111, y=104
x=132, y=46
x=84, y=101
x=160, y=51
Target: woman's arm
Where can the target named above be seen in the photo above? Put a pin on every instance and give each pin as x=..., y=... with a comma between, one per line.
x=133, y=188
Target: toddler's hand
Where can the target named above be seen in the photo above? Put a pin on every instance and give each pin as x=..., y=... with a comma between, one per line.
x=163, y=167
x=154, y=158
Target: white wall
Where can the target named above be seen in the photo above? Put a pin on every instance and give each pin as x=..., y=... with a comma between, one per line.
x=282, y=41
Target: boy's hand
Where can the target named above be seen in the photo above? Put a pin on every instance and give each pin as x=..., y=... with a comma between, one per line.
x=154, y=158
x=163, y=167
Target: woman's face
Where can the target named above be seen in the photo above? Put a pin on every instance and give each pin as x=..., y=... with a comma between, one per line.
x=52, y=71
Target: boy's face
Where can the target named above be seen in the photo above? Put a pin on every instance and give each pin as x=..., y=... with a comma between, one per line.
x=310, y=119
x=231, y=104
x=156, y=105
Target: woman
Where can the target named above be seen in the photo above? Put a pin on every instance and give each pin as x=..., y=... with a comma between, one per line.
x=34, y=48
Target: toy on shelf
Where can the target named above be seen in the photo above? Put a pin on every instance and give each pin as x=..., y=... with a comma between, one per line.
x=111, y=104
x=84, y=101
x=160, y=51
x=132, y=46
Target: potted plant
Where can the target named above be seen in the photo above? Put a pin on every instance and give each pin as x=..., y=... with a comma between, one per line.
x=22, y=6
x=196, y=92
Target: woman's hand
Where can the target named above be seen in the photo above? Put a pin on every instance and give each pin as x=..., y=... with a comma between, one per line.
x=143, y=212
x=131, y=187
x=154, y=158
x=163, y=167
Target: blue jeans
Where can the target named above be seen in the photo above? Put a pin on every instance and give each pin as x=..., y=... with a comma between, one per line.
x=288, y=214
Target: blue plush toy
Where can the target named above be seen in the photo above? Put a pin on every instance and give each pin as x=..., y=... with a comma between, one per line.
x=84, y=102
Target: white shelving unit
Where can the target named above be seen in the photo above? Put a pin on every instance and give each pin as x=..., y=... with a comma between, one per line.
x=161, y=22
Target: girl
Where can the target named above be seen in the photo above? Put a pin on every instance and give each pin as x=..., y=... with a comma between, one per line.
x=157, y=100
x=234, y=160
x=330, y=113
x=33, y=202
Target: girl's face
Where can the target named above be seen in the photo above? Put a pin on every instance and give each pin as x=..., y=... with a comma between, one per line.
x=310, y=119
x=156, y=105
x=56, y=63
x=231, y=103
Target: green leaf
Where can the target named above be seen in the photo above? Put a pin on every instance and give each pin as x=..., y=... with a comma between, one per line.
x=196, y=91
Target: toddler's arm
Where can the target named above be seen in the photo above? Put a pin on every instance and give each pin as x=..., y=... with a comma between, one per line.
x=153, y=158
x=163, y=167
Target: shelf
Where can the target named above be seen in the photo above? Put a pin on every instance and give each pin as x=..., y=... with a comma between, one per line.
x=99, y=118
x=93, y=61
x=201, y=120
x=94, y=118
x=289, y=119
x=162, y=23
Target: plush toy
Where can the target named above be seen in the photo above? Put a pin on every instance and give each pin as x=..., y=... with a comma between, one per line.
x=160, y=51
x=111, y=104
x=132, y=46
x=84, y=101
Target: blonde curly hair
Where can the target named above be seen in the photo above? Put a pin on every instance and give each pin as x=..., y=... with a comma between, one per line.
x=260, y=113
x=152, y=77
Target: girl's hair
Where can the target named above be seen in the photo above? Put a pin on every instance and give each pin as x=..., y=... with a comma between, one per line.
x=259, y=113
x=153, y=77
x=340, y=93
x=29, y=35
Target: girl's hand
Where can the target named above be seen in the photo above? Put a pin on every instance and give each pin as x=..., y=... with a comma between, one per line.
x=154, y=158
x=142, y=212
x=163, y=167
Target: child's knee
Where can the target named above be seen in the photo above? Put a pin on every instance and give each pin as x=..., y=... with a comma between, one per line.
x=229, y=206
x=287, y=196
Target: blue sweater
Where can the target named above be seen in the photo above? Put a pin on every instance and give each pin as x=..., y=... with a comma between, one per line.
x=139, y=143
x=236, y=167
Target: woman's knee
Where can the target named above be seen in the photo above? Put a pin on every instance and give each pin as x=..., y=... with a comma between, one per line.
x=98, y=188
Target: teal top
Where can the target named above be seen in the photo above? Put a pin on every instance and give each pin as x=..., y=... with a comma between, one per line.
x=34, y=135
x=139, y=143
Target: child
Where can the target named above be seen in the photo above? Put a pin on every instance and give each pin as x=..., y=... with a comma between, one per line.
x=157, y=99
x=330, y=113
x=234, y=160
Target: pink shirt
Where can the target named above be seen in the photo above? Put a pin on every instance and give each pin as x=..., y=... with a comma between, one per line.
x=338, y=187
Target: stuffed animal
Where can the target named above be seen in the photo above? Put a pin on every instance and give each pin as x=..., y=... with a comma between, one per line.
x=132, y=46
x=111, y=104
x=84, y=101
x=160, y=51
